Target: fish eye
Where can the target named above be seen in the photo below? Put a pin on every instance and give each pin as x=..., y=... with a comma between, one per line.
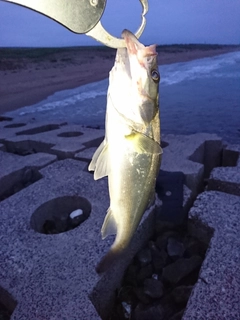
x=155, y=75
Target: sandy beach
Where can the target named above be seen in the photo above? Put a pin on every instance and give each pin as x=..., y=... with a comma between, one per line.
x=28, y=76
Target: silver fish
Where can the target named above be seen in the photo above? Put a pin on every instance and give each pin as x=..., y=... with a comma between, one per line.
x=130, y=154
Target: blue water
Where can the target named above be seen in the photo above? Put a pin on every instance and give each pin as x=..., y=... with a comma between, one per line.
x=198, y=96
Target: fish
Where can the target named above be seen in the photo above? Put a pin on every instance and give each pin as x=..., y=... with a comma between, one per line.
x=130, y=154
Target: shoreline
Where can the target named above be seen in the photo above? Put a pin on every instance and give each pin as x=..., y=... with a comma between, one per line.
x=26, y=79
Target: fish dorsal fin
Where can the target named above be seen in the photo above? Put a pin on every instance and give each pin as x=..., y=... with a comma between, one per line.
x=99, y=163
x=143, y=144
x=109, y=225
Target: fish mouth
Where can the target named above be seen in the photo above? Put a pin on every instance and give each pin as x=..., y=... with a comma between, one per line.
x=123, y=57
x=132, y=43
x=134, y=47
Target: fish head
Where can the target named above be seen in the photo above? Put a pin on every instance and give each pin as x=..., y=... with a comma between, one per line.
x=145, y=77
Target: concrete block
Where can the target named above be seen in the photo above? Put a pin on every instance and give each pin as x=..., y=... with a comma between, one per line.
x=56, y=138
x=5, y=121
x=85, y=155
x=227, y=178
x=214, y=219
x=17, y=172
x=169, y=188
x=194, y=155
x=53, y=276
x=11, y=128
x=231, y=155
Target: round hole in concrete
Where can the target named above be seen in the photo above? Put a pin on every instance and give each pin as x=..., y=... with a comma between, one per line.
x=70, y=134
x=53, y=216
x=15, y=125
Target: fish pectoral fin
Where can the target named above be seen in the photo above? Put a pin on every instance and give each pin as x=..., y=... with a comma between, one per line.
x=92, y=164
x=144, y=144
x=109, y=225
x=99, y=163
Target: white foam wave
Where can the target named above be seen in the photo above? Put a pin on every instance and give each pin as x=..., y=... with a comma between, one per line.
x=178, y=72
x=59, y=102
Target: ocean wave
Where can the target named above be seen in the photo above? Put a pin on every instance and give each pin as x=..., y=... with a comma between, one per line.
x=56, y=103
x=200, y=68
x=89, y=100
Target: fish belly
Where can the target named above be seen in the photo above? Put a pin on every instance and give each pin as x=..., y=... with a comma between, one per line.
x=131, y=188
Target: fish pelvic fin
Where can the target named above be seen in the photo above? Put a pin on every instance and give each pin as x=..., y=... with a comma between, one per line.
x=99, y=163
x=109, y=225
x=143, y=144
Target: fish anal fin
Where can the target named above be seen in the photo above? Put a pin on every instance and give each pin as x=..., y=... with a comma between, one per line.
x=144, y=144
x=109, y=225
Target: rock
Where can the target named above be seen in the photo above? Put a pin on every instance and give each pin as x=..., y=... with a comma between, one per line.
x=169, y=306
x=155, y=276
x=153, y=312
x=177, y=316
x=130, y=277
x=159, y=257
x=177, y=270
x=181, y=294
x=76, y=213
x=62, y=223
x=153, y=288
x=75, y=219
x=145, y=272
x=127, y=309
x=162, y=239
x=125, y=294
x=175, y=248
x=163, y=226
x=194, y=247
x=143, y=297
x=144, y=257
x=118, y=313
x=49, y=227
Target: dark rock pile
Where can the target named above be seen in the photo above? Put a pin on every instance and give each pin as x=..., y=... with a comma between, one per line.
x=159, y=281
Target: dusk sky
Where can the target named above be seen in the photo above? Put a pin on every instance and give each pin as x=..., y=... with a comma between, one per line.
x=168, y=22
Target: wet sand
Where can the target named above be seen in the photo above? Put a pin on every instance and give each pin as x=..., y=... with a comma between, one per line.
x=28, y=76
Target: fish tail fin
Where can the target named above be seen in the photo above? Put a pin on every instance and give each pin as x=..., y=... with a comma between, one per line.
x=113, y=254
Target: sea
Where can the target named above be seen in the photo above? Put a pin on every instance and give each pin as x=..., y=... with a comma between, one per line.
x=201, y=95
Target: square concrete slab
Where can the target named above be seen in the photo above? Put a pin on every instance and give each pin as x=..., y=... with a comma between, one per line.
x=57, y=138
x=214, y=218
x=17, y=172
x=194, y=155
x=52, y=276
x=227, y=178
